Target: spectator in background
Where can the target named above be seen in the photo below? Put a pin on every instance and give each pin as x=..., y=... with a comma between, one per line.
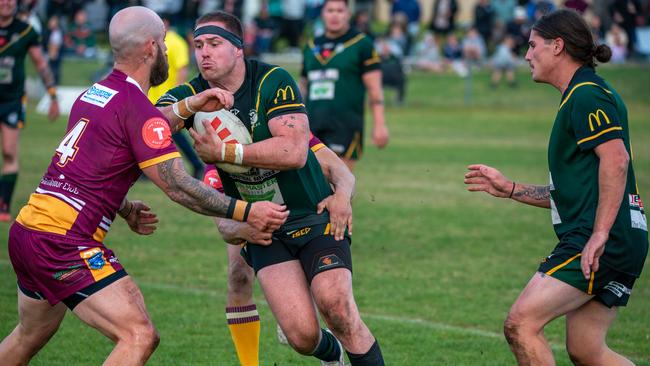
x=392, y=50
x=504, y=62
x=484, y=20
x=595, y=23
x=580, y=6
x=474, y=50
x=411, y=9
x=537, y=8
x=444, y=17
x=264, y=30
x=624, y=13
x=53, y=45
x=80, y=39
x=361, y=22
x=293, y=12
x=453, y=55
x=617, y=40
x=399, y=35
x=519, y=29
x=503, y=11
x=427, y=54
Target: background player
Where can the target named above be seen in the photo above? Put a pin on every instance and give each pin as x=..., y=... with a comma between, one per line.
x=56, y=244
x=595, y=206
x=17, y=39
x=337, y=69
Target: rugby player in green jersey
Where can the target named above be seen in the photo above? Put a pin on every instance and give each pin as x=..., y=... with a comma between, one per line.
x=595, y=205
x=17, y=39
x=337, y=69
x=303, y=259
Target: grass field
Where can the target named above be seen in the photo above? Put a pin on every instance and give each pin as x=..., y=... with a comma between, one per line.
x=436, y=267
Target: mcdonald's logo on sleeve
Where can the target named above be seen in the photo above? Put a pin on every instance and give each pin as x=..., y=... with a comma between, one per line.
x=284, y=94
x=598, y=117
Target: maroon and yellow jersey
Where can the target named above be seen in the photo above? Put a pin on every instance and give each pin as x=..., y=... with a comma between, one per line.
x=113, y=132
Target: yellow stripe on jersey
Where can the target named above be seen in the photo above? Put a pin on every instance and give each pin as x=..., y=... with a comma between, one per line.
x=99, y=235
x=600, y=134
x=356, y=142
x=159, y=159
x=191, y=88
x=284, y=106
x=347, y=44
x=373, y=60
x=576, y=87
x=48, y=214
x=317, y=147
x=556, y=268
x=259, y=89
x=165, y=103
x=20, y=35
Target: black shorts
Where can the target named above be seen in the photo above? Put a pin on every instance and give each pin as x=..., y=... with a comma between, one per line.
x=345, y=142
x=12, y=113
x=317, y=252
x=609, y=286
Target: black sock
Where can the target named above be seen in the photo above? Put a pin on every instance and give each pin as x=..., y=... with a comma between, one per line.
x=328, y=349
x=7, y=184
x=371, y=358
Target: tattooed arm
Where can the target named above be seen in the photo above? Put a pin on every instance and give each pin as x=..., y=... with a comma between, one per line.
x=40, y=63
x=286, y=150
x=487, y=179
x=171, y=177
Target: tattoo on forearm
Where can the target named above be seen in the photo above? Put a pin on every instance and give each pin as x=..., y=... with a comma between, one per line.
x=538, y=193
x=47, y=76
x=190, y=192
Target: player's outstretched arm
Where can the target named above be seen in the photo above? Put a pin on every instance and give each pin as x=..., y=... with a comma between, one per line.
x=339, y=204
x=487, y=179
x=138, y=216
x=286, y=150
x=171, y=177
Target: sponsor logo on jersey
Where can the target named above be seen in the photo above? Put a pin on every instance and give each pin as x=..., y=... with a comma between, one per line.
x=598, y=117
x=298, y=233
x=156, y=133
x=98, y=95
x=211, y=178
x=284, y=94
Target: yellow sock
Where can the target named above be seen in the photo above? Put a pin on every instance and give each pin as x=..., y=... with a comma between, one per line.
x=244, y=325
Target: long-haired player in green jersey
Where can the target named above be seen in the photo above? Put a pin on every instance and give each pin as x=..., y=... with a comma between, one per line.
x=596, y=209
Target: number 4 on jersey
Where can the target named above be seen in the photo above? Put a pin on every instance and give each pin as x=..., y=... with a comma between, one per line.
x=68, y=147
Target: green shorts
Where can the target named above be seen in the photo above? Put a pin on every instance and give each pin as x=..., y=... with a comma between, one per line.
x=609, y=286
x=12, y=113
x=307, y=241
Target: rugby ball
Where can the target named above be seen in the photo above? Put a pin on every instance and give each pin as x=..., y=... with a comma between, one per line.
x=230, y=130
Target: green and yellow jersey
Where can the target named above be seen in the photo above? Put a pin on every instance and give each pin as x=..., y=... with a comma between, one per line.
x=591, y=113
x=15, y=41
x=334, y=70
x=267, y=92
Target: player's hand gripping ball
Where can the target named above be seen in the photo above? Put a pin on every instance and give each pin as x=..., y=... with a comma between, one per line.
x=230, y=130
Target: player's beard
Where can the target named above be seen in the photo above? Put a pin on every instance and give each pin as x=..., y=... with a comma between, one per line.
x=160, y=69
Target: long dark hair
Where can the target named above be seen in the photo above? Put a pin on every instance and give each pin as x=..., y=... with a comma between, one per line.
x=578, y=39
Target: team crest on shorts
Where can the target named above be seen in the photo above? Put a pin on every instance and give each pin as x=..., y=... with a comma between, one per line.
x=327, y=261
x=94, y=258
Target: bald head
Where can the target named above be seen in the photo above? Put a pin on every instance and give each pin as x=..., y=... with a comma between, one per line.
x=130, y=29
